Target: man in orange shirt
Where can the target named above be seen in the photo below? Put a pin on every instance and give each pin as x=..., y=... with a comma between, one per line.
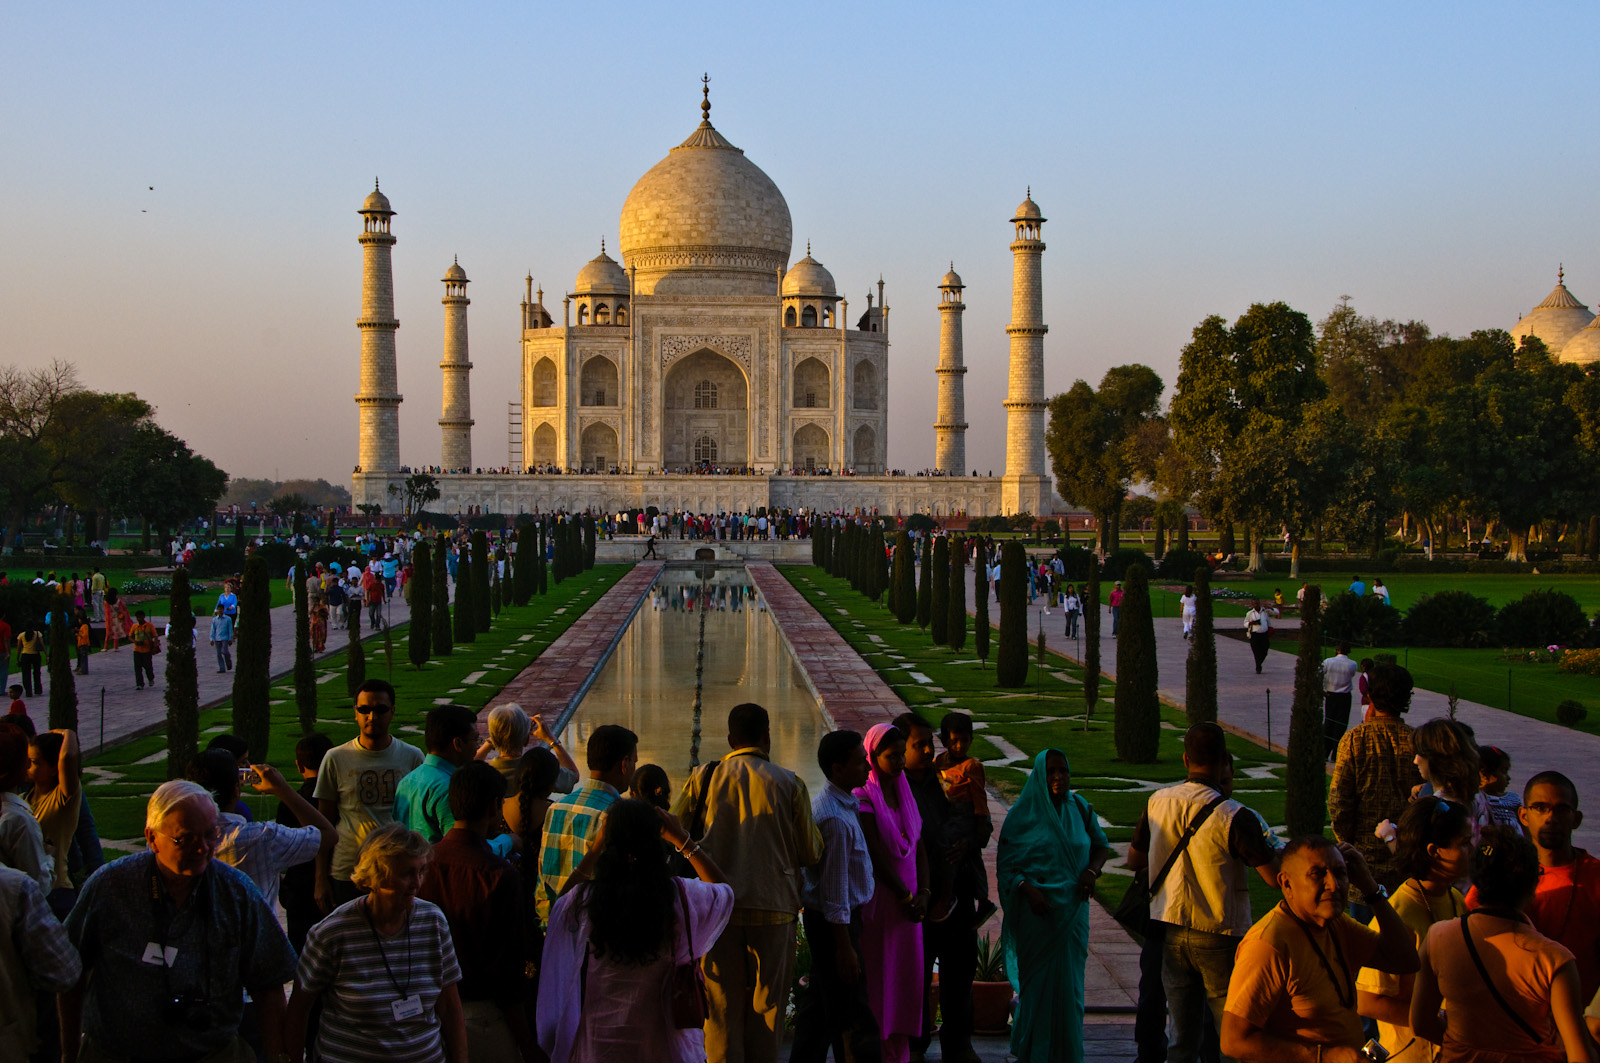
x=143, y=637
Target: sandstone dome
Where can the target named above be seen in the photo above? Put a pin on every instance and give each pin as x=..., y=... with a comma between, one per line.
x=1583, y=348
x=601, y=274
x=808, y=277
x=1555, y=321
x=706, y=220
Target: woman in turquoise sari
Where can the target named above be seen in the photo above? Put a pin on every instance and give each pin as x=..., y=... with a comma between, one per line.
x=1051, y=852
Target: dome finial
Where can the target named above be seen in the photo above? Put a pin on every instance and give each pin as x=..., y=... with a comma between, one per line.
x=375, y=187
x=1561, y=273
x=602, y=245
x=808, y=248
x=456, y=259
x=1030, y=191
x=705, y=102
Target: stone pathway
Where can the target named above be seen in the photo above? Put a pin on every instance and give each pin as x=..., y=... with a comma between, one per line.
x=557, y=679
x=130, y=712
x=1258, y=706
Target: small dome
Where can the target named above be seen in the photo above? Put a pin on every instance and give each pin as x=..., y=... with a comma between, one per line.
x=808, y=277
x=1584, y=348
x=1028, y=210
x=376, y=202
x=602, y=274
x=951, y=280
x=456, y=273
x=1556, y=321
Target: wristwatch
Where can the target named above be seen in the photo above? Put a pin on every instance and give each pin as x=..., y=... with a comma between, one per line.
x=1379, y=892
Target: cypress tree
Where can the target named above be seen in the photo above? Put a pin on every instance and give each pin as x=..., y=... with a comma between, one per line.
x=816, y=549
x=881, y=559
x=1181, y=539
x=955, y=626
x=1160, y=548
x=1594, y=538
x=850, y=556
x=183, y=680
x=522, y=568
x=1091, y=642
x=939, y=591
x=495, y=593
x=590, y=543
x=1305, y=806
x=466, y=624
x=305, y=672
x=905, y=579
x=355, y=672
x=1200, y=681
x=541, y=568
x=439, y=618
x=238, y=543
x=1011, y=662
x=421, y=640
x=875, y=561
x=252, y=673
x=1136, y=704
x=925, y=585
x=558, y=552
x=480, y=580
x=63, y=689
x=980, y=601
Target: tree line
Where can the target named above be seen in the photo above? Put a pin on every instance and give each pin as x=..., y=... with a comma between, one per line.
x=94, y=455
x=1335, y=430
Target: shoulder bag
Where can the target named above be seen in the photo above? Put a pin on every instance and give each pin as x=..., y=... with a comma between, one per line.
x=1494, y=990
x=697, y=821
x=687, y=990
x=1134, y=911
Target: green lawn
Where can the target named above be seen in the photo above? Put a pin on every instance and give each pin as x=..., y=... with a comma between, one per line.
x=1404, y=589
x=1046, y=714
x=132, y=770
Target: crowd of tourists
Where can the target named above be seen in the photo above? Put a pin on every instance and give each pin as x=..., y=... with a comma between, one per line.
x=485, y=898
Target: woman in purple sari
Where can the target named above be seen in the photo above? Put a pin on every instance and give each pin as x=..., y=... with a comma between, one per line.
x=891, y=940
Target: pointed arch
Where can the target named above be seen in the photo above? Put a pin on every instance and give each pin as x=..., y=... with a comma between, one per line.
x=544, y=383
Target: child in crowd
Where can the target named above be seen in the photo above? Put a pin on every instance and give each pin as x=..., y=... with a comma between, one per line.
x=81, y=625
x=319, y=629
x=964, y=784
x=1494, y=769
x=297, y=890
x=19, y=710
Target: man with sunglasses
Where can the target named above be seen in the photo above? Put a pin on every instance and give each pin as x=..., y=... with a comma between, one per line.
x=170, y=940
x=356, y=786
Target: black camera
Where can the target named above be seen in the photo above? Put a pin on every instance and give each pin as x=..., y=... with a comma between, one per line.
x=188, y=1010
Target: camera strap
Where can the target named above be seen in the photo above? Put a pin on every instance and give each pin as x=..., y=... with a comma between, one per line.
x=162, y=923
x=1494, y=990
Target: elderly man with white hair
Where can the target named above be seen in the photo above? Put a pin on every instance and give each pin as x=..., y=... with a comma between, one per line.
x=510, y=726
x=170, y=939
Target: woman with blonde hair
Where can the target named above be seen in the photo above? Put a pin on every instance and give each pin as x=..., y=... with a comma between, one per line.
x=510, y=727
x=383, y=965
x=1447, y=757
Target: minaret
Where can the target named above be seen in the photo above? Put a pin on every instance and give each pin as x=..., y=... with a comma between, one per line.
x=379, y=399
x=950, y=427
x=456, y=422
x=1026, y=486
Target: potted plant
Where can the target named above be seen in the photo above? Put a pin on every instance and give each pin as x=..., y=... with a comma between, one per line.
x=991, y=990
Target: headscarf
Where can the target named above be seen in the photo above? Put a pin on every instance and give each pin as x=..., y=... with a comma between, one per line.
x=898, y=827
x=1043, y=843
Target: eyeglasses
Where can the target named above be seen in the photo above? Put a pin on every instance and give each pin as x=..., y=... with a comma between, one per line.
x=190, y=840
x=373, y=710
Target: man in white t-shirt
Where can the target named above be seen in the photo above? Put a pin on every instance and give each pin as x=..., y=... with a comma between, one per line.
x=1188, y=607
x=1258, y=626
x=356, y=785
x=1338, y=679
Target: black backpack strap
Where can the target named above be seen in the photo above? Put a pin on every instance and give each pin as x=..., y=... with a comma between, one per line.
x=1494, y=990
x=1183, y=842
x=697, y=823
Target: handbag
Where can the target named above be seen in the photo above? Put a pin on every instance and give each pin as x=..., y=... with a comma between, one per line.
x=1134, y=911
x=687, y=989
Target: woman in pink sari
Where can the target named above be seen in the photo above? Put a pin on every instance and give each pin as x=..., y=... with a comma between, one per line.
x=891, y=940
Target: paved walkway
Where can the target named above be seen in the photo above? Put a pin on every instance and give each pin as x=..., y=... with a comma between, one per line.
x=130, y=712
x=1258, y=706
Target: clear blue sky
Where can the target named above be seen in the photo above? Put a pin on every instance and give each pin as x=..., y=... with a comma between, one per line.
x=1432, y=161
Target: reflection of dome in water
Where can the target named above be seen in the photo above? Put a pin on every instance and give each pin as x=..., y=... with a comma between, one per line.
x=705, y=219
x=1556, y=321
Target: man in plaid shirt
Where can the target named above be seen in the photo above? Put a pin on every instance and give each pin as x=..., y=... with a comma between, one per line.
x=35, y=956
x=1374, y=772
x=613, y=753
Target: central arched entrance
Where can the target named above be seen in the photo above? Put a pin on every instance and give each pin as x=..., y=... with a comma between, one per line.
x=706, y=410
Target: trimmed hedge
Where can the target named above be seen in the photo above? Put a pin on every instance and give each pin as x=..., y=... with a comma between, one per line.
x=1453, y=619
x=1543, y=618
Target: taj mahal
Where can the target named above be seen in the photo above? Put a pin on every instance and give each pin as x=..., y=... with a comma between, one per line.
x=703, y=371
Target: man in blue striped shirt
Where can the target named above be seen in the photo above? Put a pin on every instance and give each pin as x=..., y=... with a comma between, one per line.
x=835, y=1006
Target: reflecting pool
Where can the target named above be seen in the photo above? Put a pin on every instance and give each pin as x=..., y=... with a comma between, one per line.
x=648, y=684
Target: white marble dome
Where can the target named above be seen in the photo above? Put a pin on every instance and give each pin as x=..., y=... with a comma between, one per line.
x=706, y=220
x=1556, y=321
x=601, y=274
x=808, y=277
x=376, y=203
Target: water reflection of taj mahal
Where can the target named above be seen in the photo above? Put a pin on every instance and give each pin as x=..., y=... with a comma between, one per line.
x=703, y=371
